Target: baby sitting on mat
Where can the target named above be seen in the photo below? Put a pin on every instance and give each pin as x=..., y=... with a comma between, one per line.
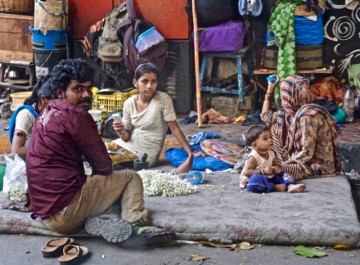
x=262, y=171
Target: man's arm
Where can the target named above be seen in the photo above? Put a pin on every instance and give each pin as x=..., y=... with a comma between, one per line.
x=87, y=138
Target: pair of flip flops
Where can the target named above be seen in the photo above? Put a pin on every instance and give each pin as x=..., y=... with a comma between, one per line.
x=66, y=249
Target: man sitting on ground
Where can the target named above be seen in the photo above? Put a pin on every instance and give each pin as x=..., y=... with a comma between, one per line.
x=59, y=191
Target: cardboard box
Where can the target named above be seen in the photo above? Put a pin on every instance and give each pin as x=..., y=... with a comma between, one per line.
x=15, y=38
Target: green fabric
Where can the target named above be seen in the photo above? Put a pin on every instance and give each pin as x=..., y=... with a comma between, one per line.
x=2, y=173
x=339, y=116
x=281, y=26
x=354, y=76
x=147, y=229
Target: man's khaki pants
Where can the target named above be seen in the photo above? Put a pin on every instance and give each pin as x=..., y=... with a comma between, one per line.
x=97, y=195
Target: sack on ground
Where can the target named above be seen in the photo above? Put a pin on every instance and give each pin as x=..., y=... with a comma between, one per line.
x=15, y=181
x=141, y=33
x=110, y=48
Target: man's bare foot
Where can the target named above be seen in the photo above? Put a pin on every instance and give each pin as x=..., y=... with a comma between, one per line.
x=294, y=188
x=186, y=166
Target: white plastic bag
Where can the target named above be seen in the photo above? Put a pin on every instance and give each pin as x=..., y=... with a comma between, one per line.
x=15, y=181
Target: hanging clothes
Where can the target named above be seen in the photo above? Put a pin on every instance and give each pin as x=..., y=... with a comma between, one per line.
x=282, y=34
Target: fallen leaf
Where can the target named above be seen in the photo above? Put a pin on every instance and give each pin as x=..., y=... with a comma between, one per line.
x=308, y=252
x=196, y=257
x=245, y=245
x=218, y=245
x=341, y=246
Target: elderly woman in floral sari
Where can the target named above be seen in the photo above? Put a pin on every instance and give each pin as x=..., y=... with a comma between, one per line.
x=306, y=138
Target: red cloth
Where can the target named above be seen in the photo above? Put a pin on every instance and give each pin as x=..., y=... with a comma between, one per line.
x=63, y=135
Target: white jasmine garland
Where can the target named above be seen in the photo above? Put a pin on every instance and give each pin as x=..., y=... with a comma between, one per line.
x=157, y=183
x=17, y=192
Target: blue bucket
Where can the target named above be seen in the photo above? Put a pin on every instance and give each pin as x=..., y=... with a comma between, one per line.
x=54, y=39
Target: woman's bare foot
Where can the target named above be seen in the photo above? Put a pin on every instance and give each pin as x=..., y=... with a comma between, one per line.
x=294, y=188
x=186, y=166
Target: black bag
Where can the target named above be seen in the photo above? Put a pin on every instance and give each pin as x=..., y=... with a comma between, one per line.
x=213, y=12
x=128, y=32
x=90, y=42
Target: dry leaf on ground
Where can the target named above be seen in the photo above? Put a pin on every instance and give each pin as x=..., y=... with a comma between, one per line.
x=197, y=257
x=245, y=245
x=342, y=247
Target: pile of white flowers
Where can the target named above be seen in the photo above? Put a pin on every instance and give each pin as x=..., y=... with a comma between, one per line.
x=157, y=183
x=17, y=191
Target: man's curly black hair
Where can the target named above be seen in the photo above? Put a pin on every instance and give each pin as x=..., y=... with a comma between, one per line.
x=67, y=70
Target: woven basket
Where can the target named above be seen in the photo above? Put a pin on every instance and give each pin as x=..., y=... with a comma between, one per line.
x=23, y=7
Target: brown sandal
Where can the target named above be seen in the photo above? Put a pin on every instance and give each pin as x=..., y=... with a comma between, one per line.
x=54, y=247
x=73, y=254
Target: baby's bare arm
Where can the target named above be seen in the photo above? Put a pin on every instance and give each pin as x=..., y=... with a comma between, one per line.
x=250, y=167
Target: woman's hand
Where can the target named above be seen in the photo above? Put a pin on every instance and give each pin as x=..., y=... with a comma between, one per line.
x=269, y=96
x=118, y=127
x=268, y=170
x=276, y=170
x=289, y=161
x=272, y=85
x=199, y=154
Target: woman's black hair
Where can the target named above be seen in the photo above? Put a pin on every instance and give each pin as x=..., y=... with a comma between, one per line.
x=254, y=132
x=40, y=89
x=146, y=68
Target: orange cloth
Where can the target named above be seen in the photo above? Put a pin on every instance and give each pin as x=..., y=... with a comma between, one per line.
x=213, y=117
x=328, y=88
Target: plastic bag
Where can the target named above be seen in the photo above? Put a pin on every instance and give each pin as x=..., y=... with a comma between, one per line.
x=15, y=181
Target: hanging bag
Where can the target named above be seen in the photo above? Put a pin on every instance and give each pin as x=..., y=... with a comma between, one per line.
x=152, y=47
x=110, y=48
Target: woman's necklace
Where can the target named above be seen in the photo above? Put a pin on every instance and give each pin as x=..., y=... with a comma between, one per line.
x=141, y=105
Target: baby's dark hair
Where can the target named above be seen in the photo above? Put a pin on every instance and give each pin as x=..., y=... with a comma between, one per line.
x=254, y=132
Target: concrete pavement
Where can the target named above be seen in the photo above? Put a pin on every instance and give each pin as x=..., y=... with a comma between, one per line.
x=24, y=249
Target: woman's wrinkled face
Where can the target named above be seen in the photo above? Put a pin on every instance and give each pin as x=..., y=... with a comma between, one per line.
x=147, y=84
